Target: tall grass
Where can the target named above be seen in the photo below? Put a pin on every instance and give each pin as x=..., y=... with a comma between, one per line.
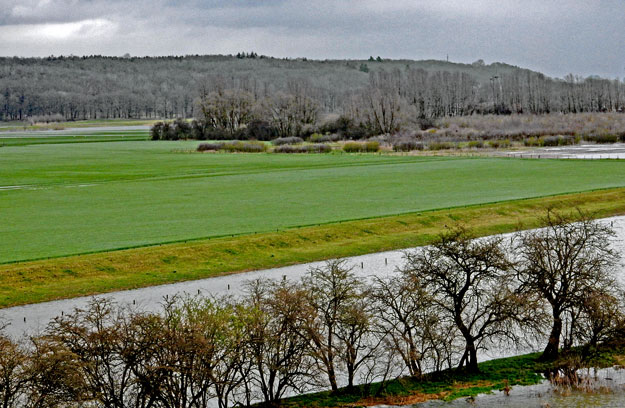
x=238, y=146
x=313, y=148
x=358, y=147
x=319, y=138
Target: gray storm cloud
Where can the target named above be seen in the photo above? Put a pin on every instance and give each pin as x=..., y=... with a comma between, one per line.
x=556, y=37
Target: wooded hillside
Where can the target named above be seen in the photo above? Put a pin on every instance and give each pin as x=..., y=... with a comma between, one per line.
x=166, y=87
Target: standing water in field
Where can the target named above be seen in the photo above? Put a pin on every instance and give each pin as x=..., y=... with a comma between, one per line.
x=607, y=389
x=584, y=151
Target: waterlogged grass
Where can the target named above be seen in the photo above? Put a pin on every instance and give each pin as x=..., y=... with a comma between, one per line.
x=39, y=281
x=63, y=199
x=494, y=375
x=447, y=385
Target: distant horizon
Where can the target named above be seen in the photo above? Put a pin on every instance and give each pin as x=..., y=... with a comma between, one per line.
x=259, y=55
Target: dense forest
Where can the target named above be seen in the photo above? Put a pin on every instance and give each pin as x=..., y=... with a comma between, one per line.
x=389, y=91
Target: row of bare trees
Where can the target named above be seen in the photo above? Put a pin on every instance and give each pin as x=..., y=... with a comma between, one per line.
x=403, y=99
x=332, y=328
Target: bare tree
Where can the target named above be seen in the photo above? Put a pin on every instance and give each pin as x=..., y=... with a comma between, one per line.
x=601, y=315
x=410, y=322
x=14, y=373
x=380, y=107
x=55, y=376
x=288, y=113
x=339, y=323
x=174, y=368
x=227, y=110
x=563, y=263
x=92, y=336
x=467, y=279
x=219, y=325
x=356, y=333
x=278, y=352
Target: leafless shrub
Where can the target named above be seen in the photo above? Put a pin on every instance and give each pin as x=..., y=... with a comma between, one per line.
x=598, y=127
x=208, y=147
x=236, y=146
x=407, y=146
x=287, y=140
x=313, y=148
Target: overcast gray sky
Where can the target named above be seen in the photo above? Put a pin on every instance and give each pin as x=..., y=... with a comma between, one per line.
x=555, y=37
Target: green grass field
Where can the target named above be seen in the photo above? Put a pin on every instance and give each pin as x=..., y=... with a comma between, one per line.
x=20, y=126
x=65, y=277
x=60, y=137
x=62, y=199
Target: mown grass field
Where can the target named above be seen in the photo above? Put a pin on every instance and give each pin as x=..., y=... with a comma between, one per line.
x=64, y=199
x=259, y=210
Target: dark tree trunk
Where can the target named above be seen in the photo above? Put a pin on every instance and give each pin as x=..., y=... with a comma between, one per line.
x=551, y=351
x=332, y=378
x=472, y=358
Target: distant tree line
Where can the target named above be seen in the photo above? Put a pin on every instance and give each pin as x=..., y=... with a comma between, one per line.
x=381, y=95
x=331, y=328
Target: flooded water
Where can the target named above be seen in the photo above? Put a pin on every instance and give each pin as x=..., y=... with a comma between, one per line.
x=584, y=151
x=33, y=318
x=607, y=390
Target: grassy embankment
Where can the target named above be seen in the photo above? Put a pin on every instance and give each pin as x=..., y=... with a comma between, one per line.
x=494, y=375
x=38, y=281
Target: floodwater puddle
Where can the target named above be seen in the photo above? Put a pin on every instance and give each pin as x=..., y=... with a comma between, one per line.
x=604, y=388
x=584, y=151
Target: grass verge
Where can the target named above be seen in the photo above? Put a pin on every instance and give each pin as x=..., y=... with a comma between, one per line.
x=495, y=375
x=45, y=280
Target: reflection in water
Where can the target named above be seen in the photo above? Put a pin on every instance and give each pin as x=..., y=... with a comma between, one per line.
x=586, y=151
x=608, y=391
x=538, y=396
